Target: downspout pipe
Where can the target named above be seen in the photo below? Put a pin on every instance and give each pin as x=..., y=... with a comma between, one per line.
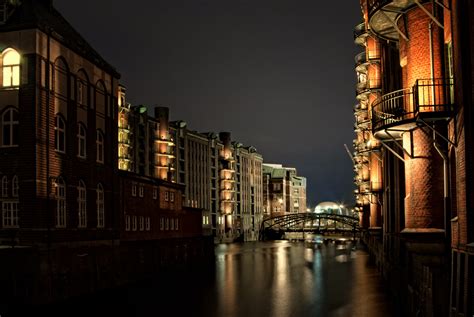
x=446, y=197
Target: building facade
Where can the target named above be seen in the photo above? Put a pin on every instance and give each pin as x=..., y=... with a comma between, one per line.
x=284, y=191
x=72, y=222
x=412, y=150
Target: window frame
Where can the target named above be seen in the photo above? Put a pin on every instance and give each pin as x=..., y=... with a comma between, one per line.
x=99, y=142
x=61, y=203
x=10, y=217
x=15, y=69
x=12, y=126
x=82, y=204
x=5, y=186
x=100, y=205
x=60, y=134
x=81, y=141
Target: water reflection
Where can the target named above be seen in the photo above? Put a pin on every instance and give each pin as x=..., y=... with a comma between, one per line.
x=256, y=279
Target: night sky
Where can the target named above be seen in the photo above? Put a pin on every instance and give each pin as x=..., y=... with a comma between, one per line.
x=278, y=74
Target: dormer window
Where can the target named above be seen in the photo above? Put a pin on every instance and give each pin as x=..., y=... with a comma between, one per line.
x=11, y=68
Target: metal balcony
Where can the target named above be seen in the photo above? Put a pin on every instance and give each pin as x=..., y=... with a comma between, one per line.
x=428, y=99
x=361, y=62
x=384, y=14
x=360, y=33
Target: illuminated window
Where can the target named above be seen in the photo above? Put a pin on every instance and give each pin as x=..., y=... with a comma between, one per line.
x=10, y=214
x=60, y=135
x=142, y=223
x=4, y=186
x=11, y=68
x=60, y=203
x=81, y=141
x=10, y=127
x=100, y=207
x=99, y=147
x=81, y=204
x=15, y=186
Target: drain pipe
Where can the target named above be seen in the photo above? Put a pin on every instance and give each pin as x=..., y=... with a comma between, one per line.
x=446, y=201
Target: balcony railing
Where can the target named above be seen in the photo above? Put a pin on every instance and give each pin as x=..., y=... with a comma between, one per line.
x=359, y=32
x=429, y=99
x=360, y=58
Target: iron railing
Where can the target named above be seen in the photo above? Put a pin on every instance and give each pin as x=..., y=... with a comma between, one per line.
x=360, y=58
x=374, y=5
x=359, y=30
x=427, y=97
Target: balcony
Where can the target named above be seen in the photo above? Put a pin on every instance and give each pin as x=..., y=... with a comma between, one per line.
x=428, y=100
x=361, y=62
x=360, y=34
x=384, y=14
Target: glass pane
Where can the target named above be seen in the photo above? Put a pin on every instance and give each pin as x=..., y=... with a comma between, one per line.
x=11, y=58
x=7, y=76
x=16, y=76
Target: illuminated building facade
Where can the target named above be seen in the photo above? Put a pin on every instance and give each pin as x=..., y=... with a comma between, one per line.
x=85, y=204
x=412, y=156
x=284, y=191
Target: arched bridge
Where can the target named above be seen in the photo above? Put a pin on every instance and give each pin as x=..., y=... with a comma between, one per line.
x=313, y=222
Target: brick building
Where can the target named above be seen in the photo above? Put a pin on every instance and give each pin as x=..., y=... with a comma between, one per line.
x=412, y=157
x=72, y=223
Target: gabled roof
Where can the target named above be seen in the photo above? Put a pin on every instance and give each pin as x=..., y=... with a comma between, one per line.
x=40, y=14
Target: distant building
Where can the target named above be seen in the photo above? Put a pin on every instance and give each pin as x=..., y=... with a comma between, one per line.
x=284, y=191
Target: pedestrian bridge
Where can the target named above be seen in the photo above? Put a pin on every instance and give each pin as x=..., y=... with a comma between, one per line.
x=308, y=222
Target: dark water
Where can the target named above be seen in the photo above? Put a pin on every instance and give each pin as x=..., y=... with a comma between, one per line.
x=254, y=279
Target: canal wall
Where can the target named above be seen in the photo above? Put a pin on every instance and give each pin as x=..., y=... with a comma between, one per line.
x=39, y=275
x=416, y=269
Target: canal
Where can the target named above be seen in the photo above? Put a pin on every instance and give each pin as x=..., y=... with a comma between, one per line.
x=333, y=278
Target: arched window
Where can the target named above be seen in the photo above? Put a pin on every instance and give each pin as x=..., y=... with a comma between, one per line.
x=10, y=127
x=82, y=88
x=100, y=207
x=60, y=77
x=15, y=186
x=4, y=186
x=60, y=135
x=60, y=203
x=81, y=204
x=99, y=147
x=100, y=98
x=11, y=68
x=81, y=140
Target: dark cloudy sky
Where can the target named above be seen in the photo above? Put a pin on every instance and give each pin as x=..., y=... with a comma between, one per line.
x=278, y=74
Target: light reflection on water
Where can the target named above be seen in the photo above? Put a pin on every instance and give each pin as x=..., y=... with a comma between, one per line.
x=261, y=279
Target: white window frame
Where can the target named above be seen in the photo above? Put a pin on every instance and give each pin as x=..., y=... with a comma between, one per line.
x=147, y=224
x=142, y=223
x=15, y=186
x=13, y=80
x=171, y=196
x=10, y=214
x=177, y=224
x=134, y=189
x=11, y=125
x=167, y=224
x=99, y=141
x=4, y=186
x=127, y=222
x=81, y=141
x=155, y=192
x=100, y=206
x=141, y=191
x=61, y=207
x=134, y=223
x=167, y=195
x=82, y=204
x=172, y=224
x=60, y=134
